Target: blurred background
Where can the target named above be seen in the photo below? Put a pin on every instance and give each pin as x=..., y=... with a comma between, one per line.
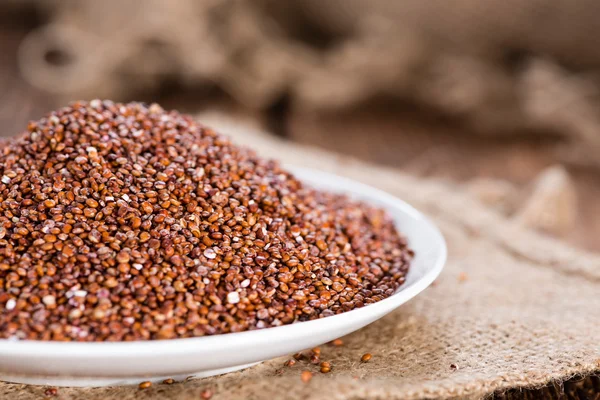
x=500, y=98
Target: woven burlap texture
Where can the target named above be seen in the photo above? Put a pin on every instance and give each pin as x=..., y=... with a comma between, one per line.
x=510, y=309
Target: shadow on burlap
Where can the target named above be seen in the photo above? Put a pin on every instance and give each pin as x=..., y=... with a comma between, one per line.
x=511, y=309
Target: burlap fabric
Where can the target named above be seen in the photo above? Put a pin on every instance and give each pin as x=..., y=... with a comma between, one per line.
x=499, y=66
x=511, y=309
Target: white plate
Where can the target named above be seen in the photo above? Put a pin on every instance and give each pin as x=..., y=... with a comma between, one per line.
x=100, y=364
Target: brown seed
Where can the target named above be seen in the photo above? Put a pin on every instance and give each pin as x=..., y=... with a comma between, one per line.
x=154, y=281
x=145, y=385
x=51, y=392
x=91, y=203
x=136, y=222
x=147, y=207
x=98, y=313
x=49, y=300
x=111, y=282
x=306, y=376
x=290, y=363
x=75, y=313
x=49, y=203
x=317, y=351
x=50, y=238
x=177, y=260
x=179, y=286
x=206, y=394
x=210, y=253
x=338, y=342
x=338, y=287
x=262, y=314
x=314, y=359
x=325, y=367
x=123, y=257
x=94, y=236
x=327, y=281
x=68, y=250
x=366, y=357
x=169, y=381
x=298, y=356
x=144, y=237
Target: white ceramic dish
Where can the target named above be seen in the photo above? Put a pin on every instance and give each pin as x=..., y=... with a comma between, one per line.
x=100, y=364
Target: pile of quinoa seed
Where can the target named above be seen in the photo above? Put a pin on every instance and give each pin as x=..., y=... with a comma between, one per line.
x=124, y=222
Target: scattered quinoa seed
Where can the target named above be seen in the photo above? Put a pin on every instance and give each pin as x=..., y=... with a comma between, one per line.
x=306, y=376
x=51, y=392
x=169, y=381
x=290, y=363
x=206, y=394
x=145, y=385
x=366, y=357
x=325, y=367
x=338, y=342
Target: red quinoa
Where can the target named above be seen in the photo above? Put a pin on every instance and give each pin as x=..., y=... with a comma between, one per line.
x=126, y=222
x=306, y=376
x=145, y=385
